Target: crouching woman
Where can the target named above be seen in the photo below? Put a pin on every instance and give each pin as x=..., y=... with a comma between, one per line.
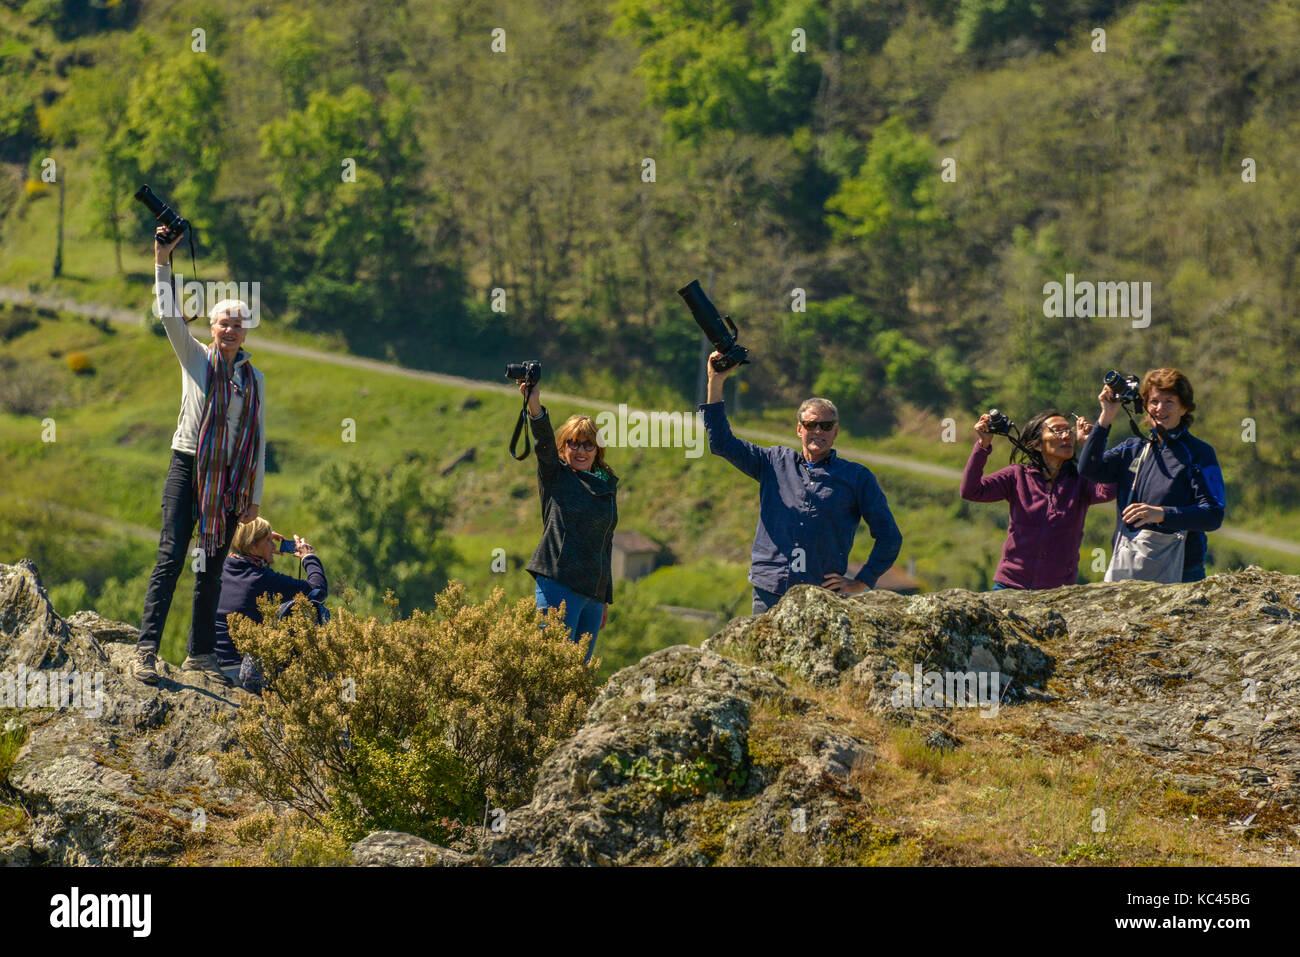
x=246, y=576
x=573, y=562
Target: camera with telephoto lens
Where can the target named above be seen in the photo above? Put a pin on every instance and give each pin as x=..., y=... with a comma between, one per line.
x=719, y=329
x=529, y=372
x=175, y=223
x=999, y=423
x=1126, y=388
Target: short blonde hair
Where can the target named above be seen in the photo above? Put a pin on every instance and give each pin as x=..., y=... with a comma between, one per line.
x=249, y=534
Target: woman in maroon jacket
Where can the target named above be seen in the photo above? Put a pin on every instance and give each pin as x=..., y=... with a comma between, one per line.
x=1048, y=503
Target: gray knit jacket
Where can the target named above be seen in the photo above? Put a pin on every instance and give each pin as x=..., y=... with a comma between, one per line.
x=579, y=512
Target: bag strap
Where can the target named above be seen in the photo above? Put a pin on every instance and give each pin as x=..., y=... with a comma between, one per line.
x=1141, y=464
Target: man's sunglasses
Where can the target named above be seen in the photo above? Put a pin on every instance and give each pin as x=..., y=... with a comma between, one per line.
x=824, y=426
x=576, y=446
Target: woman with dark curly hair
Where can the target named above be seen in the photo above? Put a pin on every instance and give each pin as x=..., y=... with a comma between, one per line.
x=1049, y=501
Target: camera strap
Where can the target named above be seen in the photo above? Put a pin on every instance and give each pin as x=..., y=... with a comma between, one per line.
x=1132, y=422
x=521, y=428
x=189, y=233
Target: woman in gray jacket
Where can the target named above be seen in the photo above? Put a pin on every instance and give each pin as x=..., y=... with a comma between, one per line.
x=572, y=564
x=214, y=479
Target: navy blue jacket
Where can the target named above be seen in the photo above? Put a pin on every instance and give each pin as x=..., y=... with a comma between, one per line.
x=1182, y=476
x=813, y=506
x=244, y=580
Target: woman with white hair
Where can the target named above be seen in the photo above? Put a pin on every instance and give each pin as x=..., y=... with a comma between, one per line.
x=214, y=479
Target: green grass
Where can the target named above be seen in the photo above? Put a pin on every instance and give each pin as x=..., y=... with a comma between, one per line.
x=12, y=816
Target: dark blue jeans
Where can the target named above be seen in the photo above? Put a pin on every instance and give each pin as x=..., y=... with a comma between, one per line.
x=582, y=615
x=763, y=600
x=178, y=520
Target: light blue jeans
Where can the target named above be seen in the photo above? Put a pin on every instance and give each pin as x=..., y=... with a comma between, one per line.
x=582, y=615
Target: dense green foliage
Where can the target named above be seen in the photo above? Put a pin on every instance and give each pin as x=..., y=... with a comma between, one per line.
x=387, y=527
x=795, y=146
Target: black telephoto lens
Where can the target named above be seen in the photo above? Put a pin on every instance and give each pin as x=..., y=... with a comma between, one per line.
x=176, y=225
x=721, y=331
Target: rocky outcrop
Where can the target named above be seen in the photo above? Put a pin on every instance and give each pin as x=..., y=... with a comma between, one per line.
x=1204, y=679
x=395, y=849
x=757, y=748
x=112, y=771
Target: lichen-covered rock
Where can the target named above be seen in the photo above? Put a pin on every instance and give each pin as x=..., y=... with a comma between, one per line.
x=395, y=849
x=1205, y=672
x=661, y=732
x=113, y=771
x=870, y=639
x=752, y=750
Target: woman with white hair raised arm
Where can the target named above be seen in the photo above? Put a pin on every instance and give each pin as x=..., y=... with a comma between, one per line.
x=215, y=476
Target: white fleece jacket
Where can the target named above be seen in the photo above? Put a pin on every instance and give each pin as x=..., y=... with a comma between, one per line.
x=193, y=356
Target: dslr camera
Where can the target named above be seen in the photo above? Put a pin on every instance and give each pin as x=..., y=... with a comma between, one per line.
x=1126, y=388
x=529, y=371
x=999, y=422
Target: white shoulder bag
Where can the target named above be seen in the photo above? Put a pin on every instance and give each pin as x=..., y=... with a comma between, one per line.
x=1146, y=554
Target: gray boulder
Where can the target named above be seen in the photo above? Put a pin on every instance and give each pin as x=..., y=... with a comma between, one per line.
x=113, y=771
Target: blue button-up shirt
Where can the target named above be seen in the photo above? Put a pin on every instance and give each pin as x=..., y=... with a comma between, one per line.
x=808, y=512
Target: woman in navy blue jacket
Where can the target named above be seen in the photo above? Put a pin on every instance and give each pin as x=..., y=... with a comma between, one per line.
x=1176, y=487
x=247, y=575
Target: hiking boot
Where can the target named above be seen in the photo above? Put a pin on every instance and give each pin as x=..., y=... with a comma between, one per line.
x=144, y=668
x=206, y=665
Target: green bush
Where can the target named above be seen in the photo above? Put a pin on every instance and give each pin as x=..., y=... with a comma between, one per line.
x=389, y=523
x=410, y=725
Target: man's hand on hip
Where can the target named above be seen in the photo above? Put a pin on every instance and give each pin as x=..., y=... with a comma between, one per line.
x=844, y=586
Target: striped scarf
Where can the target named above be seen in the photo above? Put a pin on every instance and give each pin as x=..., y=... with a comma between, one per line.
x=224, y=483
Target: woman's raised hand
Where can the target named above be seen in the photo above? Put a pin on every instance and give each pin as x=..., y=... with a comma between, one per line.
x=1109, y=406
x=532, y=394
x=161, y=248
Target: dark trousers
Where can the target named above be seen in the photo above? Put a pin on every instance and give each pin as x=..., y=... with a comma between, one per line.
x=178, y=521
x=763, y=600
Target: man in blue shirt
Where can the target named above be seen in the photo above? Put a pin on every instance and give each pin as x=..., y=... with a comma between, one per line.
x=809, y=503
